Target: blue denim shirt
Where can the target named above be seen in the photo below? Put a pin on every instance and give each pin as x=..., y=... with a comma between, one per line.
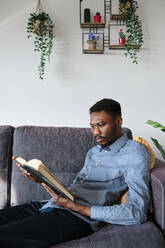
x=107, y=173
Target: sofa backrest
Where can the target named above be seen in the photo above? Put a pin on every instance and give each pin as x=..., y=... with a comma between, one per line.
x=6, y=144
x=61, y=149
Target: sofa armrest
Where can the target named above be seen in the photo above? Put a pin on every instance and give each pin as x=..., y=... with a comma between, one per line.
x=6, y=145
x=158, y=193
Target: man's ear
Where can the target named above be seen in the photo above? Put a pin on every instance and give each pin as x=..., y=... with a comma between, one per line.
x=119, y=121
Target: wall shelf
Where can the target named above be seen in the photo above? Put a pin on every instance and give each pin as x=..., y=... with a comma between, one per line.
x=111, y=22
x=97, y=28
x=92, y=25
x=120, y=47
x=96, y=51
x=117, y=17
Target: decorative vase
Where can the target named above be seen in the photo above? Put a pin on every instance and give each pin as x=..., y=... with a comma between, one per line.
x=87, y=15
x=97, y=18
x=121, y=41
x=91, y=45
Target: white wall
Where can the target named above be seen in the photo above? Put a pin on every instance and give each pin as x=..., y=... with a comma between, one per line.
x=74, y=81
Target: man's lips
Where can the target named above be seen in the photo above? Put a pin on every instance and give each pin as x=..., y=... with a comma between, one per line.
x=99, y=139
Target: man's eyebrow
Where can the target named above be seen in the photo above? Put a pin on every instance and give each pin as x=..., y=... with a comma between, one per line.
x=96, y=123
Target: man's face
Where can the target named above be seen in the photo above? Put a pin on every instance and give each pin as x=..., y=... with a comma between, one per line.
x=105, y=128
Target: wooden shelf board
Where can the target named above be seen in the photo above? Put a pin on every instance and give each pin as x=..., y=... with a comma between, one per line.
x=122, y=46
x=95, y=51
x=92, y=24
x=117, y=17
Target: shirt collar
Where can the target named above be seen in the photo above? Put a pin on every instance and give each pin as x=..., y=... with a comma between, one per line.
x=115, y=146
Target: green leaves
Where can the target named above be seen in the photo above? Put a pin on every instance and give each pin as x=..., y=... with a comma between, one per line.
x=156, y=125
x=162, y=128
x=41, y=27
x=159, y=147
x=134, y=32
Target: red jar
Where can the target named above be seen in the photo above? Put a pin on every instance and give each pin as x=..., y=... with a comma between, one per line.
x=121, y=41
x=97, y=18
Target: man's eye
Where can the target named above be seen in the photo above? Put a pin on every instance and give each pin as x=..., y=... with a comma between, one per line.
x=101, y=125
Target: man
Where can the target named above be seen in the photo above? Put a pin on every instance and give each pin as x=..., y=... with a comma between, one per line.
x=110, y=168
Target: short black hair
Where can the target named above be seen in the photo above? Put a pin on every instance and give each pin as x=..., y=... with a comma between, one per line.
x=110, y=106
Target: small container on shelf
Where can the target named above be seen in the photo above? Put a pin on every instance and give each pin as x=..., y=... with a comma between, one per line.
x=121, y=37
x=91, y=44
x=92, y=41
x=97, y=17
x=87, y=15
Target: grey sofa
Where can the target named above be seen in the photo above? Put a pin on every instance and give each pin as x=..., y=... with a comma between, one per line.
x=63, y=150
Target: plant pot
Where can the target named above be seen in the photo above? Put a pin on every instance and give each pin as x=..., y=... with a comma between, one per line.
x=36, y=29
x=121, y=41
x=35, y=26
x=97, y=18
x=91, y=45
x=124, y=8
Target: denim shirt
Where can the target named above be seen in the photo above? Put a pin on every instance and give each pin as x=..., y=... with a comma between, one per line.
x=107, y=173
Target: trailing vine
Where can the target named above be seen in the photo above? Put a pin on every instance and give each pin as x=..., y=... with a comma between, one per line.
x=41, y=26
x=134, y=29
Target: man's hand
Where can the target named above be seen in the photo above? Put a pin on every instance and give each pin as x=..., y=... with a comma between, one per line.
x=25, y=173
x=66, y=203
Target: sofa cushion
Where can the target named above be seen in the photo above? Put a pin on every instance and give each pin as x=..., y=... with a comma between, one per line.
x=6, y=143
x=118, y=236
x=152, y=164
x=61, y=149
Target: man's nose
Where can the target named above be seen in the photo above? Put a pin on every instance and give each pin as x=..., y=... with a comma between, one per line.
x=96, y=131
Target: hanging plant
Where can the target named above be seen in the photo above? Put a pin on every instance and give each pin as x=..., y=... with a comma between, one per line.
x=41, y=27
x=134, y=33
x=125, y=7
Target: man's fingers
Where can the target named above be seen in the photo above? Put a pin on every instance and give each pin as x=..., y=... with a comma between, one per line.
x=26, y=173
x=43, y=184
x=50, y=191
x=18, y=164
x=47, y=187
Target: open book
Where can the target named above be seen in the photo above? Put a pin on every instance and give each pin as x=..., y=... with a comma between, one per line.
x=38, y=170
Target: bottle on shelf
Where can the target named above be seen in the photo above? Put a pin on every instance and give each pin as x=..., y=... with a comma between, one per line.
x=87, y=15
x=97, y=17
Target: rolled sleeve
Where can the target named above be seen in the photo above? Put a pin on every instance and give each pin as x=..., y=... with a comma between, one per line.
x=97, y=213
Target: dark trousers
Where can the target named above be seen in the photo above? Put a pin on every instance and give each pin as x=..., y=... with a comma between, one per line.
x=24, y=226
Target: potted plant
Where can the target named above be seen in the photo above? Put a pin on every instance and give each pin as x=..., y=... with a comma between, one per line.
x=121, y=37
x=125, y=7
x=92, y=41
x=97, y=17
x=41, y=27
x=162, y=128
x=134, y=33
